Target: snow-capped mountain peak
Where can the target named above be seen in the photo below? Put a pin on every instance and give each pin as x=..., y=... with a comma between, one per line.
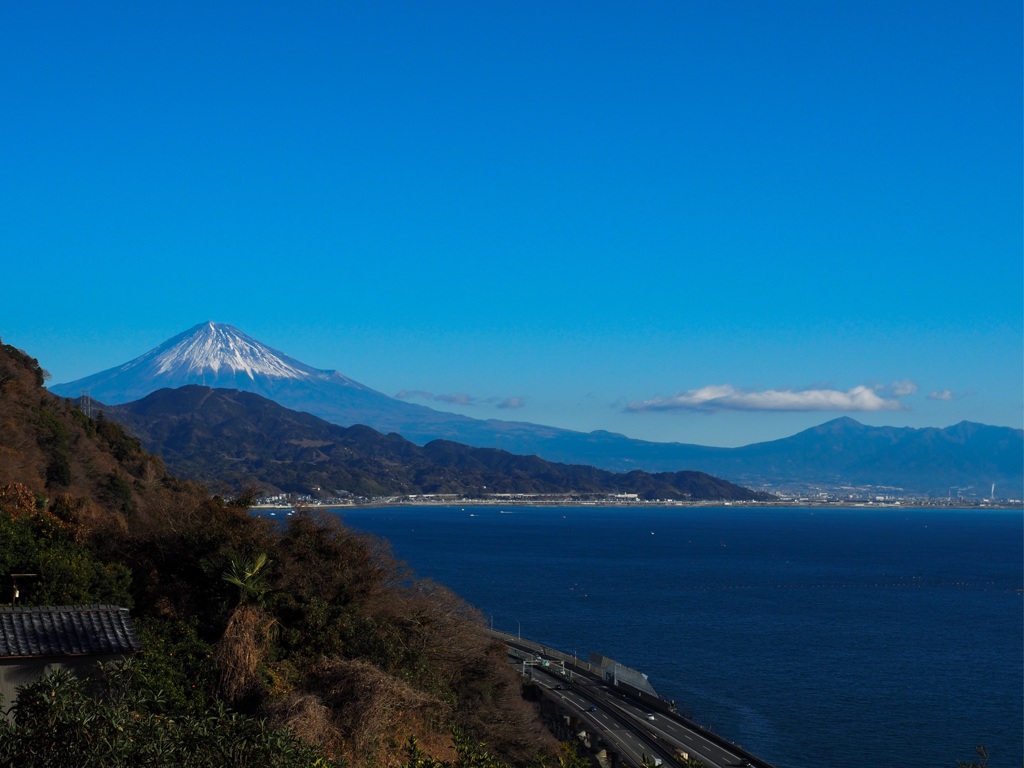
x=212, y=355
x=209, y=347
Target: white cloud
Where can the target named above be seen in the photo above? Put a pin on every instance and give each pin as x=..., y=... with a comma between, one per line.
x=901, y=388
x=409, y=394
x=458, y=398
x=723, y=397
x=944, y=394
x=512, y=402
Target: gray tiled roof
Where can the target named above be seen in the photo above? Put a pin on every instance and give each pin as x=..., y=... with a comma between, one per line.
x=66, y=630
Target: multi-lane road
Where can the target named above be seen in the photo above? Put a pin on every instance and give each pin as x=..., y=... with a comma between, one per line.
x=635, y=731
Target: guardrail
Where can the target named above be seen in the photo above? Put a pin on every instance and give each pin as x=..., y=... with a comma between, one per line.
x=583, y=667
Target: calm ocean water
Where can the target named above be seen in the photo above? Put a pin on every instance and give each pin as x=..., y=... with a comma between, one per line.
x=813, y=637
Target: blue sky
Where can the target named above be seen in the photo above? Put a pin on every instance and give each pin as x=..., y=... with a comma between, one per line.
x=707, y=222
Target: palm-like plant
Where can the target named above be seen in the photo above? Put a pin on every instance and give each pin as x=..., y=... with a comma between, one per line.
x=250, y=628
x=250, y=578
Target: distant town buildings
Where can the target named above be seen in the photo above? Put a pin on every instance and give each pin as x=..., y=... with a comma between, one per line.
x=847, y=497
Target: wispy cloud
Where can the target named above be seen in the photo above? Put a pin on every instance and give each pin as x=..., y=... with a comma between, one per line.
x=414, y=394
x=456, y=398
x=943, y=394
x=902, y=388
x=723, y=397
x=461, y=398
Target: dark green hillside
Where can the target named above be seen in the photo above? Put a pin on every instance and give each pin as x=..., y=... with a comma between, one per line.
x=261, y=647
x=239, y=439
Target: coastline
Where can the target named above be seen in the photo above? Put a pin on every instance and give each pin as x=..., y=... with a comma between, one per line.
x=412, y=502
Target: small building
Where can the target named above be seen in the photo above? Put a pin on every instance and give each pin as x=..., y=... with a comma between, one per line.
x=37, y=640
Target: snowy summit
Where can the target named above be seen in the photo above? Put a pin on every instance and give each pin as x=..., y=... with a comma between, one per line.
x=212, y=346
x=210, y=354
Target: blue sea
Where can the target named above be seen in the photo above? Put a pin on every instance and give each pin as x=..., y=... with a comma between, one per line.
x=811, y=636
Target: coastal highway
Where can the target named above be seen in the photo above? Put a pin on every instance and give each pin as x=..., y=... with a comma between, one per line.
x=628, y=725
x=669, y=732
x=620, y=734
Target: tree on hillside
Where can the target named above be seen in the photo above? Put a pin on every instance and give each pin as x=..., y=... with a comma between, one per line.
x=244, y=646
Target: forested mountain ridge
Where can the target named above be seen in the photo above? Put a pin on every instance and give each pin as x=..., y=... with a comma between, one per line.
x=323, y=646
x=88, y=470
x=239, y=439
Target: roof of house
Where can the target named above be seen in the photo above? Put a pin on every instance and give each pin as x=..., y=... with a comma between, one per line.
x=66, y=630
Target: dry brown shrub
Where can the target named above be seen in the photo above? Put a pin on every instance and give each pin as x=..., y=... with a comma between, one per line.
x=18, y=464
x=86, y=519
x=370, y=708
x=67, y=507
x=309, y=719
x=99, y=525
x=239, y=653
x=164, y=607
x=17, y=499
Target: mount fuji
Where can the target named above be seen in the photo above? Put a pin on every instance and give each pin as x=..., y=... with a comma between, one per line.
x=836, y=454
x=217, y=355
x=212, y=354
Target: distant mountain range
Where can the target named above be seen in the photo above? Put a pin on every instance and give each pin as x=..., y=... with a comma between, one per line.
x=237, y=439
x=836, y=454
